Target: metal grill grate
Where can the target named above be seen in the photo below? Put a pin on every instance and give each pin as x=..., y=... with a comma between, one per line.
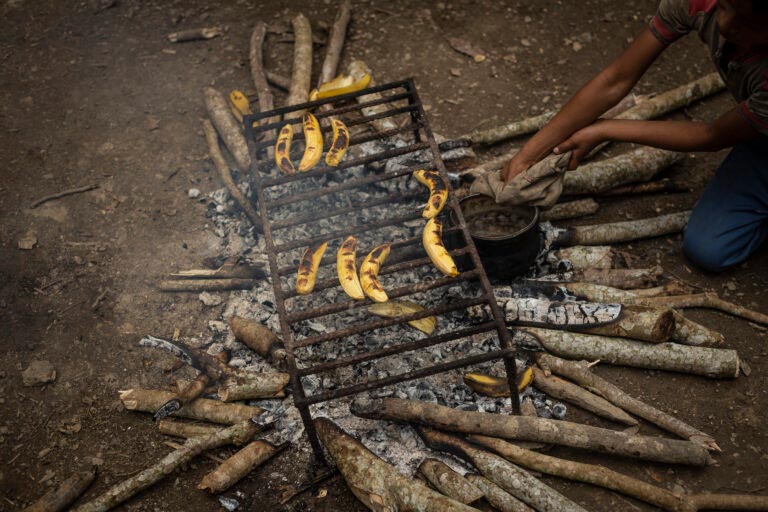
x=397, y=101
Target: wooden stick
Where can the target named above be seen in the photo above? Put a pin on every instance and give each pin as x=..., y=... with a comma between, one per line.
x=251, y=385
x=150, y=400
x=671, y=357
x=195, y=34
x=627, y=231
x=357, y=69
x=618, y=277
x=238, y=466
x=500, y=499
x=302, y=64
x=232, y=267
x=570, y=210
x=686, y=331
x=65, y=494
x=563, y=433
x=728, y=502
x=579, y=372
x=259, y=76
x=674, y=99
x=651, y=187
x=185, y=429
x=204, y=285
x=564, y=390
x=258, y=338
x=227, y=126
x=589, y=256
x=449, y=482
x=335, y=43
x=236, y=434
x=705, y=300
x=374, y=482
x=63, y=193
x=641, y=164
x=279, y=81
x=510, y=477
x=226, y=176
x=655, y=325
x=587, y=473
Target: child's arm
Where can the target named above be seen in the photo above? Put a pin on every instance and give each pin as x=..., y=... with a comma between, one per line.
x=730, y=129
x=598, y=95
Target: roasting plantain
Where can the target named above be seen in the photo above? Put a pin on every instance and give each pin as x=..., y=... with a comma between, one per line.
x=369, y=273
x=310, y=261
x=496, y=387
x=342, y=84
x=438, y=192
x=313, y=139
x=432, y=239
x=339, y=145
x=283, y=150
x=239, y=105
x=394, y=308
x=347, y=269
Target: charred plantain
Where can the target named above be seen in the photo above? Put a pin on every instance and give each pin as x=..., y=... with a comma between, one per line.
x=283, y=150
x=438, y=192
x=310, y=261
x=346, y=268
x=339, y=144
x=432, y=239
x=313, y=139
x=369, y=273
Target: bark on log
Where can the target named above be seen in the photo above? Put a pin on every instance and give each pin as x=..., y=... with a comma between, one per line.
x=728, y=502
x=579, y=372
x=449, y=482
x=238, y=466
x=692, y=333
x=652, y=187
x=708, y=362
x=204, y=285
x=510, y=477
x=638, y=165
x=171, y=427
x=590, y=256
x=335, y=43
x=302, y=64
x=258, y=338
x=640, y=323
x=238, y=433
x=250, y=385
x=570, y=210
x=564, y=315
x=523, y=428
x=356, y=70
x=627, y=231
x=674, y=99
x=150, y=400
x=259, y=76
x=65, y=494
x=569, y=392
x=619, y=277
x=374, y=482
x=279, y=81
x=227, y=126
x=500, y=499
x=602, y=293
x=226, y=176
x=705, y=300
x=587, y=473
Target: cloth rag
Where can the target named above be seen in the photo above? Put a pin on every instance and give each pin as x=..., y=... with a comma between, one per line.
x=539, y=185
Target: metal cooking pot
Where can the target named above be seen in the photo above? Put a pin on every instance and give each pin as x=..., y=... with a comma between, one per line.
x=506, y=255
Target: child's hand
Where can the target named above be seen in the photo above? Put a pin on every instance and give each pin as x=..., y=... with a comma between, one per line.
x=581, y=143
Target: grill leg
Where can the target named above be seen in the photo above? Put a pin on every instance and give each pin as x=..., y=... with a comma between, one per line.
x=314, y=441
x=510, y=365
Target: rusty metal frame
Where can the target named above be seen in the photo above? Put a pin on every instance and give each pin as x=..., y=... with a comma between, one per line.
x=424, y=140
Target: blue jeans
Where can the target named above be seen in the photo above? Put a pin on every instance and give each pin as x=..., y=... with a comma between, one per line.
x=730, y=221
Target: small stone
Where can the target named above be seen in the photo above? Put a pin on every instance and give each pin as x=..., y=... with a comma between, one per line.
x=577, y=46
x=455, y=72
x=193, y=193
x=38, y=373
x=28, y=241
x=230, y=504
x=210, y=299
x=525, y=42
x=42, y=453
x=730, y=286
x=70, y=426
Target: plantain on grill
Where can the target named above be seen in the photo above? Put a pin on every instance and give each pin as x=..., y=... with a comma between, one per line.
x=313, y=139
x=369, y=273
x=432, y=240
x=283, y=150
x=395, y=308
x=438, y=192
x=346, y=268
x=310, y=261
x=339, y=144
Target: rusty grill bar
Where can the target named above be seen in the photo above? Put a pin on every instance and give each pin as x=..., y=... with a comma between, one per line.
x=269, y=184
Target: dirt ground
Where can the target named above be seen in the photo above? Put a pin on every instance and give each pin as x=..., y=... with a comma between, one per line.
x=95, y=94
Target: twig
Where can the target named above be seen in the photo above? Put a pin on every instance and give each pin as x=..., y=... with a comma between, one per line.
x=228, y=127
x=64, y=193
x=335, y=43
x=203, y=285
x=100, y=298
x=278, y=81
x=256, y=57
x=195, y=34
x=302, y=64
x=209, y=456
x=226, y=176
